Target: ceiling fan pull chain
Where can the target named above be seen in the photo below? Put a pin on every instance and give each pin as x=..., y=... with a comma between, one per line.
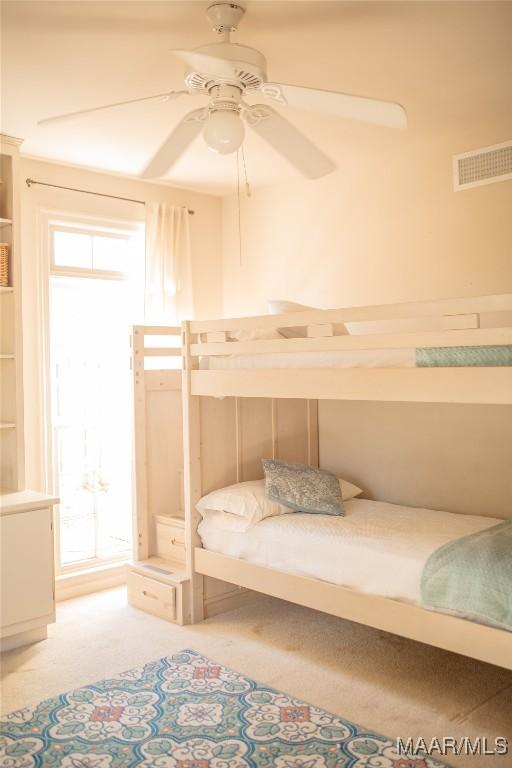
x=238, y=207
x=247, y=186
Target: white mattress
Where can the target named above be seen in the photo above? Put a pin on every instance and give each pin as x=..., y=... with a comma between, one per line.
x=358, y=358
x=377, y=548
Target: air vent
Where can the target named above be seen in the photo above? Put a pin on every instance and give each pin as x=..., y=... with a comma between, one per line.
x=483, y=166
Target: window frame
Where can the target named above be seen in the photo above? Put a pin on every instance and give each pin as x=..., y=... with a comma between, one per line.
x=117, y=233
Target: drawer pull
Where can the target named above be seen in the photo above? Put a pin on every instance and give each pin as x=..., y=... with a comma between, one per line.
x=177, y=543
x=148, y=594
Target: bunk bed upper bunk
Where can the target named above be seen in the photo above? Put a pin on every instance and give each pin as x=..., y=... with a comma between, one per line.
x=450, y=350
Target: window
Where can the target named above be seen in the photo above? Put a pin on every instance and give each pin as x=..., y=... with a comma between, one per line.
x=95, y=295
x=75, y=249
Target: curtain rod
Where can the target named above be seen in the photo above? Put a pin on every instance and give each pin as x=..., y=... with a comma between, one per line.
x=29, y=183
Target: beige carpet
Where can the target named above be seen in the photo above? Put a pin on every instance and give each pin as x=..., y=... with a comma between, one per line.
x=389, y=684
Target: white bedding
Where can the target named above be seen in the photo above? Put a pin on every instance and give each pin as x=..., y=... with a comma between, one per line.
x=358, y=358
x=377, y=548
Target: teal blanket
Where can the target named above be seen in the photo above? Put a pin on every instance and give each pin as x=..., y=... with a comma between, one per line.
x=472, y=576
x=482, y=356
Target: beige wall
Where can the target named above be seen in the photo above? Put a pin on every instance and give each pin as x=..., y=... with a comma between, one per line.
x=206, y=260
x=387, y=227
x=454, y=457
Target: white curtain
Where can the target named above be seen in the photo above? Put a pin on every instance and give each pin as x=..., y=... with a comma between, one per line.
x=168, y=285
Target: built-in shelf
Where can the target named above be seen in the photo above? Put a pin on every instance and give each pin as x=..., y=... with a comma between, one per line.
x=12, y=451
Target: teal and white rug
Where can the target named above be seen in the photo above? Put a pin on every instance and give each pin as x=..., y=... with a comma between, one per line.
x=185, y=711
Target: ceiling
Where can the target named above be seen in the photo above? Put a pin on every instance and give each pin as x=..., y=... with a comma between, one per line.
x=449, y=64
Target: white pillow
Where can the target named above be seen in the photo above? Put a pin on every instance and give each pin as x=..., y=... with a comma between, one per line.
x=256, y=334
x=278, y=307
x=225, y=521
x=281, y=307
x=246, y=500
x=349, y=490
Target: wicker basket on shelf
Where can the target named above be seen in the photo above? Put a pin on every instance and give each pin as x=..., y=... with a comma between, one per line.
x=4, y=265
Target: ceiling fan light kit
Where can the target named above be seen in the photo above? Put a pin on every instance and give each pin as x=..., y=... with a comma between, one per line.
x=224, y=72
x=224, y=130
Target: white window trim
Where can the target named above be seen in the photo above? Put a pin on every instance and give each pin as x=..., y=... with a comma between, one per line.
x=82, y=566
x=46, y=219
x=83, y=582
x=71, y=225
x=98, y=274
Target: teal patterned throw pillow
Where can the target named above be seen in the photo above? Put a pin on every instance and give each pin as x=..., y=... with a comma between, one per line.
x=302, y=488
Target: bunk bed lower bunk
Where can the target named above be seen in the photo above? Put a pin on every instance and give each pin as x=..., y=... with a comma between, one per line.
x=376, y=547
x=464, y=636
x=378, y=564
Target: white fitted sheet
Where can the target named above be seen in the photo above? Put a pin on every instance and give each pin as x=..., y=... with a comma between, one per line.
x=377, y=548
x=357, y=358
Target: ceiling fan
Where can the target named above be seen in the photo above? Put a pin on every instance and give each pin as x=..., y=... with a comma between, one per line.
x=225, y=72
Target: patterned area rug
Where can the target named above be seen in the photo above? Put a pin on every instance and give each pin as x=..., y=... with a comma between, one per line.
x=185, y=711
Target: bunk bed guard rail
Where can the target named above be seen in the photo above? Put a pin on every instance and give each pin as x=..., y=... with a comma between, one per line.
x=463, y=353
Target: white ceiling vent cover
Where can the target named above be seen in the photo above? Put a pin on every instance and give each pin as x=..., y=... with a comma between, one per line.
x=482, y=166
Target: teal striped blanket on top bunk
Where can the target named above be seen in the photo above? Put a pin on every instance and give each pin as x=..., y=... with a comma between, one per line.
x=445, y=357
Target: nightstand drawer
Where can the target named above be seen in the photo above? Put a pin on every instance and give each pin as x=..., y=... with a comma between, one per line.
x=152, y=596
x=170, y=538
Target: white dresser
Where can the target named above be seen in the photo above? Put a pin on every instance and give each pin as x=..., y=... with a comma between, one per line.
x=27, y=601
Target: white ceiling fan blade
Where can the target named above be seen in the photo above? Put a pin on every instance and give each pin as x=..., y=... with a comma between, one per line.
x=162, y=96
x=175, y=144
x=206, y=64
x=366, y=110
x=286, y=139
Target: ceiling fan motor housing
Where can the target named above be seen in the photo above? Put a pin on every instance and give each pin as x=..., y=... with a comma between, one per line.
x=250, y=68
x=225, y=17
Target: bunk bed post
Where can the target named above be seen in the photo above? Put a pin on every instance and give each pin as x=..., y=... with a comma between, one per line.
x=238, y=440
x=192, y=474
x=140, y=520
x=313, y=438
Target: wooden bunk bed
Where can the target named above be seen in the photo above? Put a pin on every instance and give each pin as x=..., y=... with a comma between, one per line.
x=242, y=402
